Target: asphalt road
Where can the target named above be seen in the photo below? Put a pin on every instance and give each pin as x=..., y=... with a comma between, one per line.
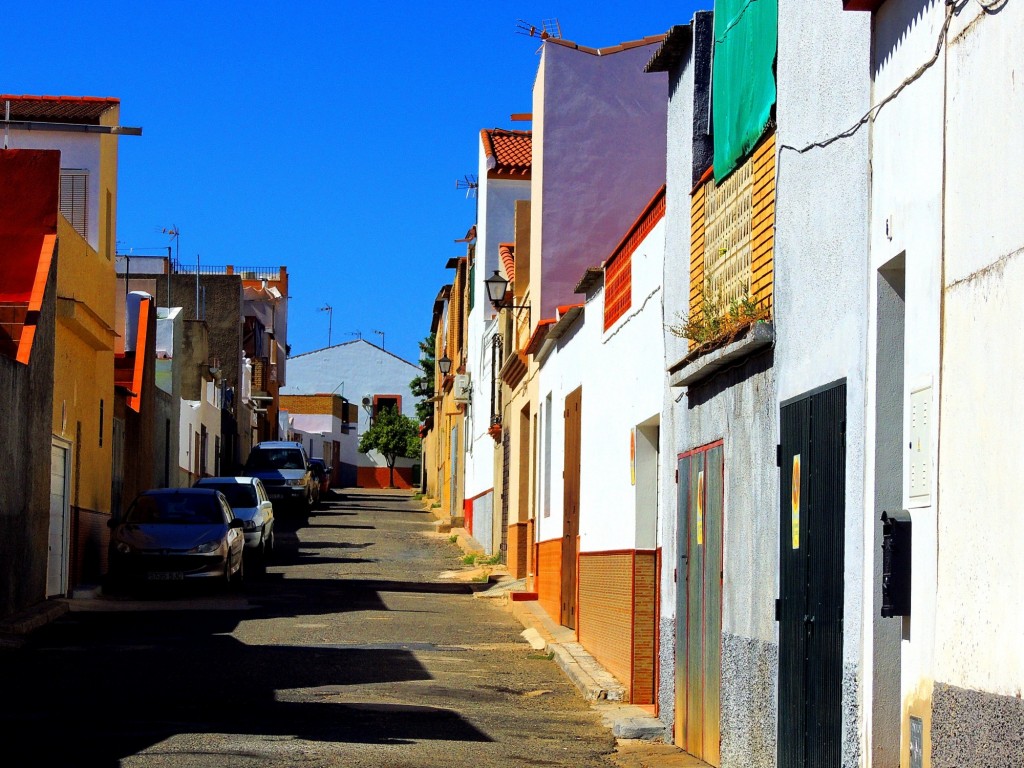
x=350, y=651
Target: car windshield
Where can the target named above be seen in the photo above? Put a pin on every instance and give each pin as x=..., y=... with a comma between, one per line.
x=186, y=509
x=238, y=494
x=275, y=458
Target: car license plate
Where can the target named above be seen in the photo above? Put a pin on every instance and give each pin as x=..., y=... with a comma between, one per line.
x=165, y=576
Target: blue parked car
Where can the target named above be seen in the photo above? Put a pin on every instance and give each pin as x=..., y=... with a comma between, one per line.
x=177, y=534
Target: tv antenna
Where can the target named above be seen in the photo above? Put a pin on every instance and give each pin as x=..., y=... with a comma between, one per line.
x=357, y=334
x=469, y=183
x=174, y=233
x=548, y=28
x=330, y=317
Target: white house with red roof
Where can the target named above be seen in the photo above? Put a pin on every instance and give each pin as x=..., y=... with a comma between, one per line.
x=504, y=189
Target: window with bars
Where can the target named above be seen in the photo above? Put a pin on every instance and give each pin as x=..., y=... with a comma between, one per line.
x=74, y=199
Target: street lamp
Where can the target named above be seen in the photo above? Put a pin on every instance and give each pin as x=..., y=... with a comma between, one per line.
x=497, y=290
x=444, y=365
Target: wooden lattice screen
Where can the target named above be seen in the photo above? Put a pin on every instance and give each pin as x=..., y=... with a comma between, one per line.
x=732, y=233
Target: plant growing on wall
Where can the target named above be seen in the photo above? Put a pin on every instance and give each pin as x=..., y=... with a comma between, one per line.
x=393, y=435
x=714, y=325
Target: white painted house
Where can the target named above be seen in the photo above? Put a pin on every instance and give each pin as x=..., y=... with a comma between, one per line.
x=601, y=370
x=944, y=452
x=503, y=181
x=763, y=423
x=366, y=375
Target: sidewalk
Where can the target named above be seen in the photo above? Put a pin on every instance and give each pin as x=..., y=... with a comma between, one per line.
x=640, y=736
x=14, y=630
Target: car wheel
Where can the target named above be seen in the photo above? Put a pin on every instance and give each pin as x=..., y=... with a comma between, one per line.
x=261, y=555
x=239, y=576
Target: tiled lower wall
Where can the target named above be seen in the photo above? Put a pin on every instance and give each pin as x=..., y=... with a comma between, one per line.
x=517, y=549
x=549, y=576
x=91, y=537
x=617, y=616
x=645, y=634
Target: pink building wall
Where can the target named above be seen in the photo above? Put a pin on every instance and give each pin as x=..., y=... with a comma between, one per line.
x=601, y=123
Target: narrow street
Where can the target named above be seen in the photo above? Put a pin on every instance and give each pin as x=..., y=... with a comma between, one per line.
x=350, y=651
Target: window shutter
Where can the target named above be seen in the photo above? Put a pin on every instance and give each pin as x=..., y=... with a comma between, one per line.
x=74, y=199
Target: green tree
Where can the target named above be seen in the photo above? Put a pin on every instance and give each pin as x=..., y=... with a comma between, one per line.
x=423, y=385
x=392, y=435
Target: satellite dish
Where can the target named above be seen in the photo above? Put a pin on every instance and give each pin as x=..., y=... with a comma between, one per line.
x=367, y=400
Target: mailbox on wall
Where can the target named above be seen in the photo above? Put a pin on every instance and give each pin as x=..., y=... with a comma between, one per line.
x=895, y=564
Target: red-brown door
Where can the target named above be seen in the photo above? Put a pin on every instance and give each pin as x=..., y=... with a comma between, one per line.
x=570, y=507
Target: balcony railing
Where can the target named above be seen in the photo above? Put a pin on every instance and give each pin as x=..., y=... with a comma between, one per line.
x=246, y=273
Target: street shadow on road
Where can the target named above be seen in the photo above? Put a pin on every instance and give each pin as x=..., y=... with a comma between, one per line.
x=334, y=545
x=130, y=682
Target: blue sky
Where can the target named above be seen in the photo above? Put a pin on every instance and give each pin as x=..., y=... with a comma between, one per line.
x=326, y=137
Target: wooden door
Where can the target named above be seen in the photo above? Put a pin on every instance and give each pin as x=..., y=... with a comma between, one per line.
x=570, y=507
x=699, y=529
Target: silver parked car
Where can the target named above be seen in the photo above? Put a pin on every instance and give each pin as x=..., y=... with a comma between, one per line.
x=177, y=534
x=250, y=502
x=284, y=469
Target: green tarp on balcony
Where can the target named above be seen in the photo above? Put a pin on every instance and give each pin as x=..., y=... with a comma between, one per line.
x=743, y=78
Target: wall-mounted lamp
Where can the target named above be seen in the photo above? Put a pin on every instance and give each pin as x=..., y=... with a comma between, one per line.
x=444, y=365
x=497, y=289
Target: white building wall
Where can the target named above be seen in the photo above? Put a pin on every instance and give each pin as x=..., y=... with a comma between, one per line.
x=675, y=306
x=979, y=624
x=495, y=225
x=561, y=373
x=820, y=296
x=196, y=414
x=623, y=381
x=906, y=232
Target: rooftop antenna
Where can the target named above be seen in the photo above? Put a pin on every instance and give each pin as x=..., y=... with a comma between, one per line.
x=174, y=233
x=548, y=28
x=330, y=319
x=357, y=334
x=469, y=183
x=381, y=334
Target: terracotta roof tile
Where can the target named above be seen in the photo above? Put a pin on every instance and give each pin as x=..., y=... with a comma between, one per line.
x=538, y=335
x=508, y=152
x=506, y=251
x=671, y=51
x=59, y=109
x=648, y=40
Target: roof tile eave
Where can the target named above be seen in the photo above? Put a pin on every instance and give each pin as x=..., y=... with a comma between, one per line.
x=610, y=49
